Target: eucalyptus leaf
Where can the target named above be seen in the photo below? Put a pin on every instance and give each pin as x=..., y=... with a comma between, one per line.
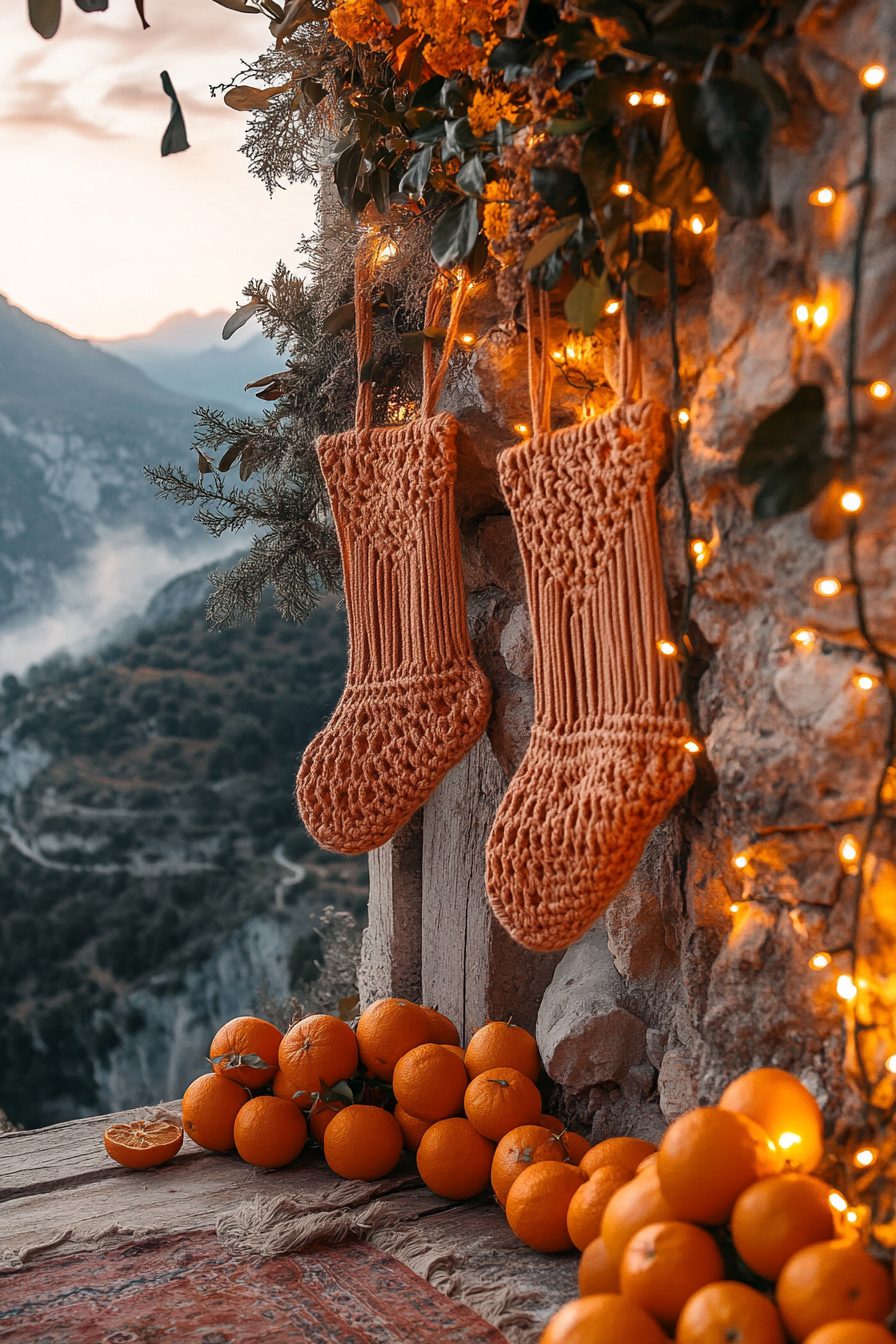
x=584, y=305
x=416, y=175
x=44, y=16
x=560, y=188
x=547, y=275
x=550, y=241
x=246, y=98
x=471, y=177
x=574, y=72
x=174, y=141
x=92, y=6
x=455, y=233
x=599, y=159
x=345, y=174
x=570, y=126
x=240, y=6
x=239, y=318
x=785, y=453
x=380, y=189
x=339, y=320
x=516, y=56
x=458, y=139
x=391, y=11
x=678, y=176
x=728, y=126
x=646, y=280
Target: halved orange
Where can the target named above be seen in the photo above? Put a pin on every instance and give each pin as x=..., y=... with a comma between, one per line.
x=143, y=1143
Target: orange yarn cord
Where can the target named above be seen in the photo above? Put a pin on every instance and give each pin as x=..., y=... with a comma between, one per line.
x=605, y=762
x=415, y=700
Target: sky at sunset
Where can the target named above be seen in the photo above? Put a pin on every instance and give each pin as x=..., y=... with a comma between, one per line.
x=99, y=234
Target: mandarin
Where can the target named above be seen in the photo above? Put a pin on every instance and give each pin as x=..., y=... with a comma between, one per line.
x=621, y=1152
x=515, y=1152
x=143, y=1143
x=777, y=1217
x=363, y=1143
x=412, y=1129
x=729, y=1313
x=387, y=1030
x=850, y=1332
x=501, y=1045
x=245, y=1050
x=586, y=1209
x=831, y=1281
x=707, y=1158
x=605, y=1318
x=784, y=1108
x=454, y=1159
x=429, y=1083
x=596, y=1273
x=552, y=1123
x=499, y=1100
x=442, y=1030
x=209, y=1110
x=320, y=1115
x=664, y=1264
x=576, y=1146
x=639, y=1202
x=456, y=1050
x=538, y=1203
x=269, y=1132
x=317, y=1053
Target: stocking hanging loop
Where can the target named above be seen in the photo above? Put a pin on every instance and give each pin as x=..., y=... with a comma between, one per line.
x=541, y=370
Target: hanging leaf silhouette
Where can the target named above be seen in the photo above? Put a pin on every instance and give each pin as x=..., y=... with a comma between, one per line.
x=239, y=5
x=239, y=318
x=246, y=98
x=785, y=453
x=45, y=16
x=92, y=6
x=585, y=303
x=174, y=141
x=139, y=4
x=728, y=125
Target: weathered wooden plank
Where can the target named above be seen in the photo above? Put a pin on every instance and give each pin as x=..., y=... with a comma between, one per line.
x=390, y=951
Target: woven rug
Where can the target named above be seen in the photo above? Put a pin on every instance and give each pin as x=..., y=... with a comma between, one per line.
x=189, y=1289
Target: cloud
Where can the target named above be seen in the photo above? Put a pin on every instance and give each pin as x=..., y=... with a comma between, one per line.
x=42, y=104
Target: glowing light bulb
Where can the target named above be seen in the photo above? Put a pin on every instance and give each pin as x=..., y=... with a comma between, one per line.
x=849, y=850
x=827, y=587
x=557, y=355
x=823, y=196
x=633, y=99
x=696, y=223
x=873, y=75
x=865, y=682
x=468, y=338
x=865, y=1157
x=820, y=316
x=658, y=99
x=612, y=306
x=801, y=312
x=847, y=990
x=734, y=909
x=570, y=352
x=804, y=637
x=667, y=648
x=851, y=501
x=740, y=860
x=820, y=961
x=522, y=429
x=386, y=251
x=852, y=1216
x=789, y=1140
x=836, y=1201
x=891, y=1064
x=692, y=745
x=699, y=550
x=623, y=189
x=684, y=416
x=880, y=390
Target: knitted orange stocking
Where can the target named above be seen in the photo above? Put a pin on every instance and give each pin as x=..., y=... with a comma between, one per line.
x=415, y=700
x=606, y=762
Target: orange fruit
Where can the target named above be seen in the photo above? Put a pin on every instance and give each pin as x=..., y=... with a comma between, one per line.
x=387, y=1030
x=709, y=1157
x=552, y=1123
x=850, y=1332
x=429, y=1082
x=784, y=1108
x=209, y=1110
x=456, y=1050
x=596, y=1273
x=143, y=1143
x=649, y=1161
x=831, y=1281
x=639, y=1202
x=620, y=1152
x=515, y=1152
x=245, y=1050
x=538, y=1203
x=729, y=1313
x=269, y=1132
x=442, y=1030
x=454, y=1159
x=777, y=1217
x=498, y=1100
x=586, y=1209
x=320, y=1115
x=605, y=1318
x=412, y=1129
x=575, y=1145
x=363, y=1143
x=501, y=1045
x=664, y=1264
x=316, y=1053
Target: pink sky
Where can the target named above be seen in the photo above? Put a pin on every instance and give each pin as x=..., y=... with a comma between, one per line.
x=98, y=233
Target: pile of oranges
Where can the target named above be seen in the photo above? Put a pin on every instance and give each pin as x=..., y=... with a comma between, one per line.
x=720, y=1236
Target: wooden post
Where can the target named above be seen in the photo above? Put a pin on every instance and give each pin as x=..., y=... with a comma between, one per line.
x=390, y=951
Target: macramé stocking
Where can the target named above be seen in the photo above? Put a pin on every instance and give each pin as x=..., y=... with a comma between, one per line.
x=415, y=700
x=606, y=761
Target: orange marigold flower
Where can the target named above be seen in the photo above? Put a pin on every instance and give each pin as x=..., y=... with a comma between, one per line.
x=487, y=109
x=610, y=31
x=362, y=22
x=496, y=215
x=449, y=23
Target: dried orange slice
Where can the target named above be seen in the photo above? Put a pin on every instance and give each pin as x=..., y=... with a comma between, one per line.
x=143, y=1143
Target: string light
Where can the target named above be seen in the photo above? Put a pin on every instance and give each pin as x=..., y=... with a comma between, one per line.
x=667, y=648
x=612, y=306
x=623, y=189
x=801, y=312
x=522, y=429
x=740, y=860
x=386, y=251
x=852, y=1216
x=865, y=681
x=851, y=501
x=734, y=909
x=890, y=1065
x=880, y=390
x=696, y=224
x=821, y=316
x=684, y=417
x=823, y=196
x=873, y=75
x=468, y=338
x=658, y=99
x=846, y=989
x=570, y=352
x=827, y=587
x=699, y=549
x=848, y=851
x=836, y=1201
x=789, y=1140
x=866, y=1157
x=820, y=961
x=804, y=637
x=692, y=745
x=557, y=355
x=633, y=99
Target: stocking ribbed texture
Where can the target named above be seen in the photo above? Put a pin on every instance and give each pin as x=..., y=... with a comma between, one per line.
x=415, y=700
x=605, y=762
